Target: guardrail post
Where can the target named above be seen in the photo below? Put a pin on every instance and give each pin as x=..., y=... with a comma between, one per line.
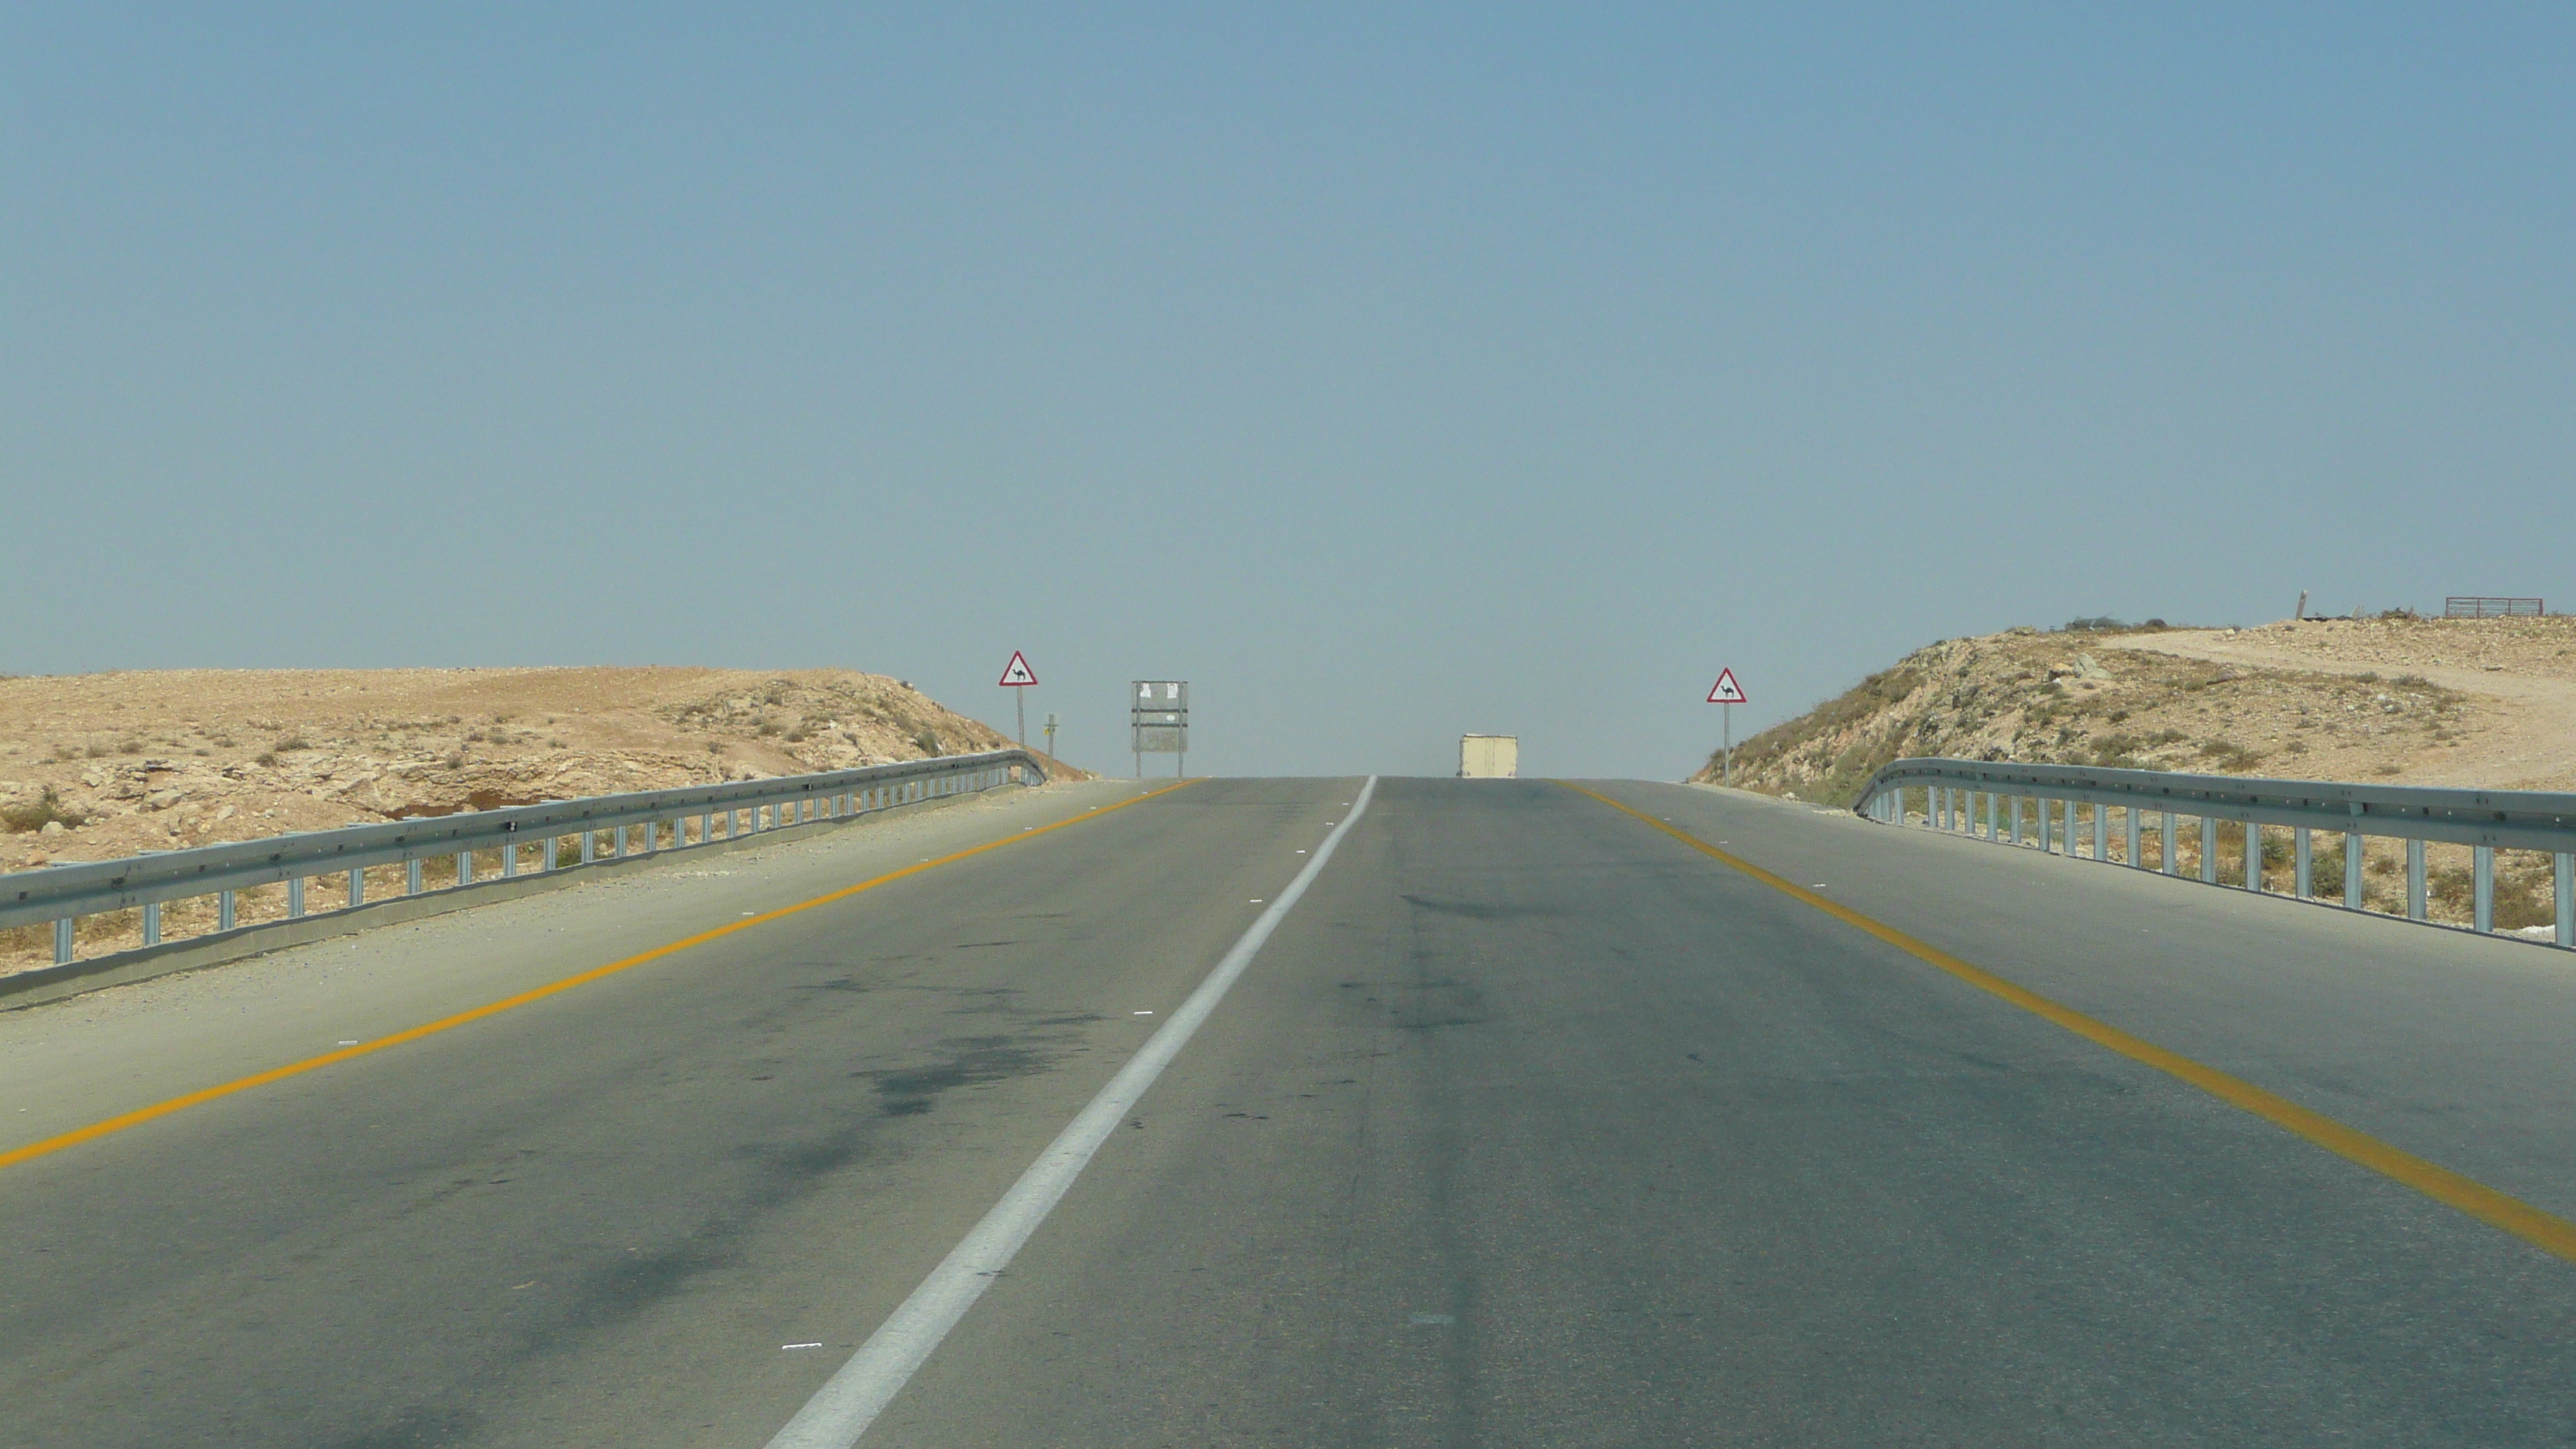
x=589, y=846
x=465, y=867
x=357, y=887
x=151, y=923
x=66, y=929
x=2101, y=831
x=2415, y=892
x=2131, y=837
x=2352, y=885
x=617, y=847
x=2254, y=857
x=224, y=910
x=2303, y=883
x=706, y=826
x=2166, y=855
x=2015, y=808
x=2566, y=881
x=295, y=897
x=411, y=871
x=509, y=857
x=2209, y=850
x=1990, y=816
x=2484, y=856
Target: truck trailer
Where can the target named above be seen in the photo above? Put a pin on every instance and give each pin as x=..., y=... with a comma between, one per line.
x=1489, y=757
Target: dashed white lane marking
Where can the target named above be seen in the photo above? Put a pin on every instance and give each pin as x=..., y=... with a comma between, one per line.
x=852, y=1398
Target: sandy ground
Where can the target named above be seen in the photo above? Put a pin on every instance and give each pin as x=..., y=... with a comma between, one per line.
x=2517, y=677
x=98, y=766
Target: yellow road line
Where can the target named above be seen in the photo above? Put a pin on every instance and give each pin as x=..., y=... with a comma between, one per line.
x=2542, y=1230
x=158, y=1110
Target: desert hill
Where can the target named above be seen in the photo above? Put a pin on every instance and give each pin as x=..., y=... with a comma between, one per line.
x=100, y=765
x=2488, y=703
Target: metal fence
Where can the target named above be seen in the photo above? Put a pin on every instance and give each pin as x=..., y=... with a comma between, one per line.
x=1992, y=801
x=2475, y=608
x=528, y=837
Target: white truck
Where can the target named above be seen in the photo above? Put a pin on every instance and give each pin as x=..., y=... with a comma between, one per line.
x=1489, y=757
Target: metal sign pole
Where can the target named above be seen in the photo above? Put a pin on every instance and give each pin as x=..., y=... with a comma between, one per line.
x=1726, y=694
x=1158, y=717
x=1018, y=677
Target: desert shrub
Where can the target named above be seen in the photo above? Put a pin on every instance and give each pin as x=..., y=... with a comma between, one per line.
x=2229, y=755
x=928, y=739
x=2095, y=624
x=40, y=812
x=292, y=742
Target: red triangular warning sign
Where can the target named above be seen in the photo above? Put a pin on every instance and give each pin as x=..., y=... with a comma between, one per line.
x=1017, y=672
x=1726, y=690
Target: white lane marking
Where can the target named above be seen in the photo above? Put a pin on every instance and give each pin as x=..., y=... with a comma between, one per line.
x=851, y=1399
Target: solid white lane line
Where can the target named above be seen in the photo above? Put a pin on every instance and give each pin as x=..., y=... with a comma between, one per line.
x=852, y=1398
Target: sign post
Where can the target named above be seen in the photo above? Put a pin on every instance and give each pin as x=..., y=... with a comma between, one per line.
x=1050, y=733
x=1017, y=676
x=1159, y=719
x=1726, y=694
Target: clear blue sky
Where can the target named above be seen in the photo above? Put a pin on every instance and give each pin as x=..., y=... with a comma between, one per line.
x=1387, y=375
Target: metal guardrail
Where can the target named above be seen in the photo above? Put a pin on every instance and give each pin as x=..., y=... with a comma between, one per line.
x=63, y=894
x=1956, y=791
x=2460, y=606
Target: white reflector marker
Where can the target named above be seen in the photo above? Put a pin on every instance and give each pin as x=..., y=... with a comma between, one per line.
x=852, y=1398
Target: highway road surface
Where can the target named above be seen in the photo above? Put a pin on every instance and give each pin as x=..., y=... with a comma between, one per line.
x=1535, y=1120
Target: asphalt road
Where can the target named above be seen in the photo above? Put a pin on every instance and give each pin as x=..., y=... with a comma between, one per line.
x=1531, y=1125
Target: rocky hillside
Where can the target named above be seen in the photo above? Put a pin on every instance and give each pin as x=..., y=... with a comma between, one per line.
x=2487, y=703
x=2414, y=701
x=94, y=766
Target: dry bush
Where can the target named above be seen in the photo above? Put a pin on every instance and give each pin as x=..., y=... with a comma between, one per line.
x=44, y=810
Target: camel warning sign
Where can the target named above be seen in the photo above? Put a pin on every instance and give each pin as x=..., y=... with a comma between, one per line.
x=1017, y=673
x=1726, y=690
